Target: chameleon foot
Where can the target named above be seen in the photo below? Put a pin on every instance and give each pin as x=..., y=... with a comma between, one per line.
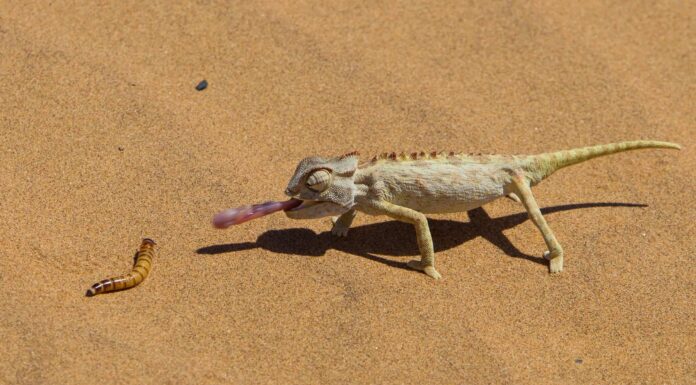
x=429, y=270
x=338, y=229
x=555, y=262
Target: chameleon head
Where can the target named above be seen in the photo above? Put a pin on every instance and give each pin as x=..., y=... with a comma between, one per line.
x=324, y=185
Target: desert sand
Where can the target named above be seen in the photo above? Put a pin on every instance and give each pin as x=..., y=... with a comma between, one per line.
x=105, y=140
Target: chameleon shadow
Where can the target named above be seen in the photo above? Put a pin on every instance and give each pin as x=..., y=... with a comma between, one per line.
x=227, y=248
x=397, y=239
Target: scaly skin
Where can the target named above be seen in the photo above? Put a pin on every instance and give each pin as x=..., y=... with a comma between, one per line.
x=406, y=187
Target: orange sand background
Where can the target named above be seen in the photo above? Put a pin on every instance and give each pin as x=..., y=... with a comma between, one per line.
x=281, y=301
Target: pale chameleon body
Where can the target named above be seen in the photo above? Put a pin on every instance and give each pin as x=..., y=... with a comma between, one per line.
x=445, y=185
x=405, y=187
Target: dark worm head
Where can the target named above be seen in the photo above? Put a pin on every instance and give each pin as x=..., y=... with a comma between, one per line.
x=149, y=241
x=94, y=290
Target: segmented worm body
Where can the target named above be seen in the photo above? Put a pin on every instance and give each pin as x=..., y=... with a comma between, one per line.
x=143, y=264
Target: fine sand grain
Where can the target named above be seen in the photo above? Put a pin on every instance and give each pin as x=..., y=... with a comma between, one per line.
x=105, y=140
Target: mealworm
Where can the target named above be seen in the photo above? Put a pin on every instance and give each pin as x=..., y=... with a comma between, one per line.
x=143, y=264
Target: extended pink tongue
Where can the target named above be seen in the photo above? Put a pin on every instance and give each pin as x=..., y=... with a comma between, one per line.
x=243, y=214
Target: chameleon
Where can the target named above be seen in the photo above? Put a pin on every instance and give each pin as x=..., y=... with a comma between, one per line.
x=405, y=187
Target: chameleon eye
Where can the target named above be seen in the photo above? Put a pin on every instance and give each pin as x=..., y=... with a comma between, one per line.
x=319, y=180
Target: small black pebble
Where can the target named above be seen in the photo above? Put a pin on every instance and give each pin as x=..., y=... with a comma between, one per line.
x=120, y=148
x=202, y=85
x=578, y=361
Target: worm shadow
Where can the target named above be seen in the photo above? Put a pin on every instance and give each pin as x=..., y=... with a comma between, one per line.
x=397, y=239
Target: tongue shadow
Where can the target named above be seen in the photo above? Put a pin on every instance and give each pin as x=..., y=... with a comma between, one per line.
x=397, y=239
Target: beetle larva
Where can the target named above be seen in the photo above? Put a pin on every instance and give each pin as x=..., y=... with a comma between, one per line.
x=143, y=264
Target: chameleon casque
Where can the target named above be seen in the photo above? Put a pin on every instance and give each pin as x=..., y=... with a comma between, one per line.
x=408, y=186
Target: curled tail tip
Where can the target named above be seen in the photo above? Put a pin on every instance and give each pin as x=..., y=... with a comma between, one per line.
x=672, y=145
x=642, y=143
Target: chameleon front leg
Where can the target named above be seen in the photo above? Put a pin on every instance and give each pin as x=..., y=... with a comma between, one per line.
x=425, y=241
x=555, y=252
x=342, y=223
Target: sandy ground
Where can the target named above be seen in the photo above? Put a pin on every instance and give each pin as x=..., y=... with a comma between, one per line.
x=104, y=140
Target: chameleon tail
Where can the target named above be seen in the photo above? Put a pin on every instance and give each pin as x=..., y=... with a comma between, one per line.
x=539, y=167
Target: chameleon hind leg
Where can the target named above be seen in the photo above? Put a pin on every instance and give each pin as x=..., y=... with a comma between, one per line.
x=425, y=241
x=555, y=252
x=342, y=223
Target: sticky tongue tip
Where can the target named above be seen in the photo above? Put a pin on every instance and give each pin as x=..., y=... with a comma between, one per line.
x=225, y=219
x=219, y=222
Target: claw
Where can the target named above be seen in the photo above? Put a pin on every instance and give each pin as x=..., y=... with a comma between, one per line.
x=429, y=270
x=341, y=232
x=555, y=262
x=338, y=230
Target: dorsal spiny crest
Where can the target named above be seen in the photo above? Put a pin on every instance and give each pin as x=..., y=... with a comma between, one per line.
x=422, y=155
x=352, y=153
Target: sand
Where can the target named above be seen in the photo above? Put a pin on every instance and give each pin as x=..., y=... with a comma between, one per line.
x=105, y=140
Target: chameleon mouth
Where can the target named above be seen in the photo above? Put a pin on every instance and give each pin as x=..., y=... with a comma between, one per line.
x=301, y=204
x=308, y=209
